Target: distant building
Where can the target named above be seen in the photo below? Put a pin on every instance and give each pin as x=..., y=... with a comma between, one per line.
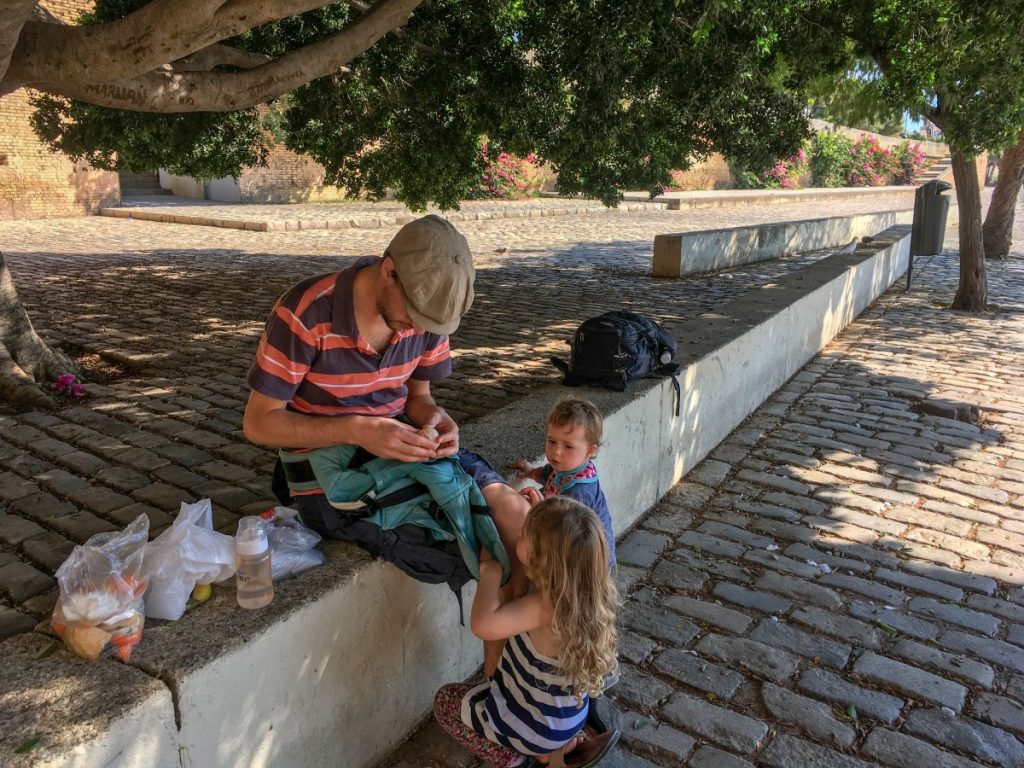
x=34, y=181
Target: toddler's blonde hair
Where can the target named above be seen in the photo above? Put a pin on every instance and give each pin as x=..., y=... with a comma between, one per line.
x=569, y=564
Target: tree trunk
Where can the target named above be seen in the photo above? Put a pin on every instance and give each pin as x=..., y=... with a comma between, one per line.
x=973, y=291
x=998, y=229
x=25, y=359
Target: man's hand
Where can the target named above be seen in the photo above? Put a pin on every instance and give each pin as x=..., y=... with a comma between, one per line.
x=391, y=439
x=447, y=433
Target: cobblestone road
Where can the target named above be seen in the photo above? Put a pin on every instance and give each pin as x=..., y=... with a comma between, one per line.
x=181, y=308
x=841, y=583
x=839, y=550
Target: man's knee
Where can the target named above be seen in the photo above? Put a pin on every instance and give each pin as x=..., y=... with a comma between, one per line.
x=509, y=509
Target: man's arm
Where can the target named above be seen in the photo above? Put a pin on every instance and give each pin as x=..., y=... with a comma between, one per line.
x=269, y=422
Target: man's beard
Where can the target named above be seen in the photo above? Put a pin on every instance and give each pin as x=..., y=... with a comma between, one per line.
x=389, y=320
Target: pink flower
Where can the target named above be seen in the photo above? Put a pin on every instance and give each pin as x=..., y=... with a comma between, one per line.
x=68, y=386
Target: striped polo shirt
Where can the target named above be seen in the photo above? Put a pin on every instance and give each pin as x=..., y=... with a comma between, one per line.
x=312, y=355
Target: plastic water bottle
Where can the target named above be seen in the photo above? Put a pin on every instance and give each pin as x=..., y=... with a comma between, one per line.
x=255, y=588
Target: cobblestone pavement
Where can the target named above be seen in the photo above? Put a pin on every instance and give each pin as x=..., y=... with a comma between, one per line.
x=841, y=582
x=180, y=309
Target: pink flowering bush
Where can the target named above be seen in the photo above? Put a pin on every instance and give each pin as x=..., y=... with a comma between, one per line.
x=834, y=160
x=68, y=386
x=789, y=173
x=871, y=164
x=908, y=163
x=508, y=177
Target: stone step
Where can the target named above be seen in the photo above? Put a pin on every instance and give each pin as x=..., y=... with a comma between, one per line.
x=143, y=191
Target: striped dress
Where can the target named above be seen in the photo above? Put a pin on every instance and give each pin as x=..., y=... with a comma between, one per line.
x=527, y=706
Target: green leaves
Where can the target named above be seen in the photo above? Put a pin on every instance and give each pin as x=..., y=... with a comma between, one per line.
x=959, y=63
x=200, y=144
x=27, y=746
x=614, y=95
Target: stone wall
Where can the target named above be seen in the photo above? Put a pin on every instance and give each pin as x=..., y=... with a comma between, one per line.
x=930, y=148
x=34, y=181
x=286, y=178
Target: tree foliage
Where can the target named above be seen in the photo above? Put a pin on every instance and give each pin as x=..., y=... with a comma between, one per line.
x=614, y=95
x=960, y=63
x=204, y=144
x=853, y=97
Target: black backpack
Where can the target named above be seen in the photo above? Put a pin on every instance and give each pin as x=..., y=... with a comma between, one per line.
x=615, y=348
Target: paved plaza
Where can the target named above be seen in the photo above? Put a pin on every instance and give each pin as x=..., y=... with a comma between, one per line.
x=840, y=584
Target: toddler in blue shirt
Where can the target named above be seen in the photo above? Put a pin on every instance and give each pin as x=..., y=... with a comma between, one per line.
x=575, y=428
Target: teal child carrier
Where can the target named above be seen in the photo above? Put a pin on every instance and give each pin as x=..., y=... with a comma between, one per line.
x=436, y=495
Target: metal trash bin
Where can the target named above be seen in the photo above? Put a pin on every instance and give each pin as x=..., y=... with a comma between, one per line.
x=931, y=209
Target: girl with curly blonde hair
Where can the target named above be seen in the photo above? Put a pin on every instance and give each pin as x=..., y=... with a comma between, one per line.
x=560, y=650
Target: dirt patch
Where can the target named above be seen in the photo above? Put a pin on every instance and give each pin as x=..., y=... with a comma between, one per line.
x=95, y=368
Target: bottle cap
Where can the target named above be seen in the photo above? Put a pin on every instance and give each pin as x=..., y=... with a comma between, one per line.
x=666, y=357
x=251, y=538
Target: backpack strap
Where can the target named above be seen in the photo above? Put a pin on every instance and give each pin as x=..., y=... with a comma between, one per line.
x=402, y=495
x=560, y=364
x=671, y=371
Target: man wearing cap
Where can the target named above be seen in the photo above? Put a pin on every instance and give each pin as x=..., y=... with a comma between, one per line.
x=362, y=346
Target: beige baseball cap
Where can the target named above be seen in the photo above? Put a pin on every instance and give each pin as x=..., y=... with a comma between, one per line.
x=435, y=272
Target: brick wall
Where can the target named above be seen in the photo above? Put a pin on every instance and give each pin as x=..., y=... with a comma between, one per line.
x=287, y=177
x=35, y=182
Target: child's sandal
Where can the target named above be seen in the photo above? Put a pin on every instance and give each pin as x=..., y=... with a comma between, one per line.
x=593, y=750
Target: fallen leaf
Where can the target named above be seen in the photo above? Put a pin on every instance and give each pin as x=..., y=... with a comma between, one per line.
x=49, y=650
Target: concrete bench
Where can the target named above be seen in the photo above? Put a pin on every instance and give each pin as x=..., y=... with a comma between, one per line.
x=344, y=663
x=690, y=253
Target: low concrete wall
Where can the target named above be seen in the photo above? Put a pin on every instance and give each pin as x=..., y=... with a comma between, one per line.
x=735, y=198
x=81, y=714
x=345, y=661
x=338, y=683
x=689, y=253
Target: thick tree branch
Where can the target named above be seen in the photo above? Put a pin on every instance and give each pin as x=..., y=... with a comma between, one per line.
x=218, y=55
x=13, y=15
x=160, y=32
x=230, y=91
x=362, y=7
x=138, y=43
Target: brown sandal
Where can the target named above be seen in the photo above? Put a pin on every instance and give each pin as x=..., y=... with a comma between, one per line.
x=593, y=750
x=588, y=752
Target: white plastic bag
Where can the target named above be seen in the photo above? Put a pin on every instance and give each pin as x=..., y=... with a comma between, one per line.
x=190, y=552
x=100, y=611
x=291, y=543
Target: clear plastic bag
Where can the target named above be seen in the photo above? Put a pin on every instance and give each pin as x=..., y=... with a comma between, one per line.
x=100, y=610
x=190, y=552
x=292, y=544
